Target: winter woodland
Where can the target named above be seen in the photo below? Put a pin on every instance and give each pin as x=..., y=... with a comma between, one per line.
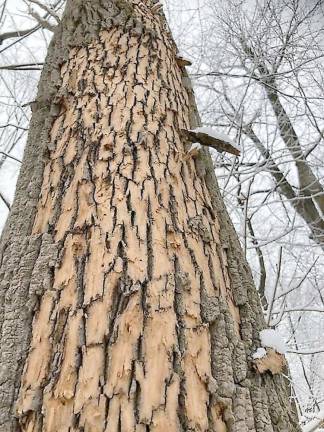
x=258, y=72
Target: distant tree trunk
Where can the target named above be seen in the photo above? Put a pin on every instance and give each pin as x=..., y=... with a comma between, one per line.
x=126, y=303
x=309, y=202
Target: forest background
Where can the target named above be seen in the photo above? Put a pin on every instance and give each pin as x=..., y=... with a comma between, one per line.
x=257, y=68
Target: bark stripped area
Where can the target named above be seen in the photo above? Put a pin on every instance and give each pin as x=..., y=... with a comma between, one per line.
x=146, y=314
x=272, y=361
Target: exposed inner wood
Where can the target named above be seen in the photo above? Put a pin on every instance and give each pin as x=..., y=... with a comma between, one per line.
x=273, y=362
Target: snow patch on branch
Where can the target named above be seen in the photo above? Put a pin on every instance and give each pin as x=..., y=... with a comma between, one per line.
x=217, y=135
x=259, y=354
x=195, y=146
x=271, y=338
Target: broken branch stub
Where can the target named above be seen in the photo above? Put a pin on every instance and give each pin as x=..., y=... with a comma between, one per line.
x=210, y=141
x=183, y=62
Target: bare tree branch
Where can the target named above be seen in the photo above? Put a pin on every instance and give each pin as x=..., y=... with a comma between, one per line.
x=10, y=157
x=23, y=66
x=44, y=23
x=47, y=9
x=6, y=202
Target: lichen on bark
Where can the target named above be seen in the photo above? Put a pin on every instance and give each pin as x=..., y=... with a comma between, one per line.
x=126, y=297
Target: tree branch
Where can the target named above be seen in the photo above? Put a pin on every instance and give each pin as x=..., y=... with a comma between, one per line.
x=10, y=157
x=304, y=205
x=6, y=202
x=23, y=66
x=18, y=33
x=47, y=9
x=41, y=20
x=210, y=141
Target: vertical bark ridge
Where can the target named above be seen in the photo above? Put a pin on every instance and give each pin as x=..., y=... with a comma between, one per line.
x=146, y=315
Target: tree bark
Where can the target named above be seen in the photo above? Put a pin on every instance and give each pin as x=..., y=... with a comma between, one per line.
x=126, y=302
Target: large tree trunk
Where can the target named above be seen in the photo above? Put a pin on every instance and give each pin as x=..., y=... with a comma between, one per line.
x=126, y=303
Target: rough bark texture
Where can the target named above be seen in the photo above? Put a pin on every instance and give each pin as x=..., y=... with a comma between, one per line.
x=126, y=303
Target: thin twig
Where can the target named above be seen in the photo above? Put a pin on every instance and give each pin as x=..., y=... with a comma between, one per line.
x=41, y=20
x=47, y=9
x=6, y=202
x=10, y=157
x=23, y=66
x=274, y=293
